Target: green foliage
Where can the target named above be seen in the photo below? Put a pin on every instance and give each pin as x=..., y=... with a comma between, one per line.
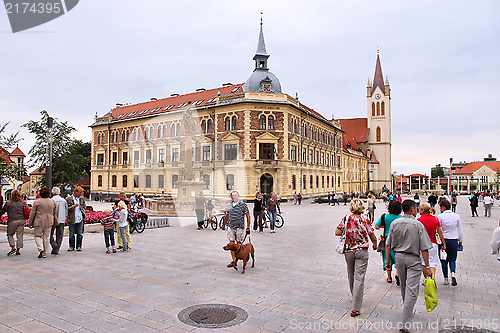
x=437, y=172
x=60, y=139
x=70, y=157
x=8, y=142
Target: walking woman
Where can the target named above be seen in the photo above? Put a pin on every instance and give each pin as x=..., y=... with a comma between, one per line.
x=358, y=231
x=257, y=212
x=272, y=205
x=385, y=221
x=433, y=227
x=453, y=236
x=15, y=222
x=371, y=207
x=474, y=202
x=42, y=217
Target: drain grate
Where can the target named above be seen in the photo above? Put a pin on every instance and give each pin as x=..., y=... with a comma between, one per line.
x=212, y=315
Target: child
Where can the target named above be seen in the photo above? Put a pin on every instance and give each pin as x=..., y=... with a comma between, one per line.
x=109, y=230
x=122, y=224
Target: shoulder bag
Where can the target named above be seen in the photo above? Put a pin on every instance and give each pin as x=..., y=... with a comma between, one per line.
x=381, y=244
x=340, y=249
x=26, y=211
x=439, y=241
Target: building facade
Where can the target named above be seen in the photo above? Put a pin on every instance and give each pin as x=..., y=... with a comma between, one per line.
x=245, y=137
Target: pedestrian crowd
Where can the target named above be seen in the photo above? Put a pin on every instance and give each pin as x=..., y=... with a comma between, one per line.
x=413, y=246
x=48, y=216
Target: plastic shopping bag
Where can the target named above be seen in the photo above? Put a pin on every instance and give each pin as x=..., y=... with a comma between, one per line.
x=431, y=296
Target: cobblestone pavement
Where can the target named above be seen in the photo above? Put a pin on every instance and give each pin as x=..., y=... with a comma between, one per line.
x=298, y=284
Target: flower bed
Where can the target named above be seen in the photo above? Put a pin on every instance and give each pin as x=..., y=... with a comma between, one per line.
x=90, y=217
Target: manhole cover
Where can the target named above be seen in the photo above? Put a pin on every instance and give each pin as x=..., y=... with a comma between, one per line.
x=466, y=330
x=212, y=315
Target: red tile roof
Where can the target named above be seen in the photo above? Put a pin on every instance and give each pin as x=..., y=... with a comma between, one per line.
x=202, y=97
x=373, y=158
x=356, y=130
x=4, y=156
x=312, y=111
x=17, y=152
x=474, y=166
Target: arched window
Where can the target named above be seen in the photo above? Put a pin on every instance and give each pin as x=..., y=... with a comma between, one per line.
x=150, y=132
x=203, y=126
x=379, y=134
x=172, y=130
x=294, y=183
x=383, y=109
x=270, y=123
x=113, y=181
x=99, y=180
x=164, y=131
x=228, y=124
x=310, y=181
x=209, y=126
x=178, y=129
x=378, y=109
x=233, y=123
x=262, y=122
x=373, y=109
x=159, y=132
x=124, y=181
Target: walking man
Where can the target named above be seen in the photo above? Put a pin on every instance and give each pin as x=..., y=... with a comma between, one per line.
x=62, y=213
x=408, y=238
x=76, y=215
x=487, y=201
x=235, y=219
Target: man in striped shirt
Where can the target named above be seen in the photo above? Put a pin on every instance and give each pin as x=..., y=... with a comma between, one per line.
x=235, y=219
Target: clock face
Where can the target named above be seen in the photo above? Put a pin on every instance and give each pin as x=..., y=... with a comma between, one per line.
x=377, y=96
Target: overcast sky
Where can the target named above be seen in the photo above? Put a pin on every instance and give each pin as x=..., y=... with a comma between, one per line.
x=441, y=57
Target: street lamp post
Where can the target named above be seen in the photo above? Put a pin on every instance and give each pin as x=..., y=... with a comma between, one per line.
x=48, y=166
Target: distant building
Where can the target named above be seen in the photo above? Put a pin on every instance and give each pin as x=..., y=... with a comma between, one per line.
x=481, y=176
x=15, y=157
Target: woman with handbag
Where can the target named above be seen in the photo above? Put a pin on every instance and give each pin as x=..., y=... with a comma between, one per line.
x=453, y=236
x=394, y=213
x=433, y=227
x=15, y=208
x=358, y=231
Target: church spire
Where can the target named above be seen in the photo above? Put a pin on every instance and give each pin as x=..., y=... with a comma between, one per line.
x=378, y=78
x=261, y=55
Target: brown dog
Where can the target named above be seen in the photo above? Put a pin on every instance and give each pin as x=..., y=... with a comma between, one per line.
x=241, y=252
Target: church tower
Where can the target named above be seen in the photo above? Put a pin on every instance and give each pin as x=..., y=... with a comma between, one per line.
x=378, y=96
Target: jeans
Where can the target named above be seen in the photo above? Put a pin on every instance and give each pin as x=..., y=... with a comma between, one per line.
x=75, y=229
x=272, y=219
x=473, y=209
x=487, y=210
x=109, y=237
x=451, y=256
x=57, y=242
x=124, y=238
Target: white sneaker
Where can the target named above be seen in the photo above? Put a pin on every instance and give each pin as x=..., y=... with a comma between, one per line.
x=272, y=231
x=446, y=281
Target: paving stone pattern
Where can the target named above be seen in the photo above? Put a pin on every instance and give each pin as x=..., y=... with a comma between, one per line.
x=299, y=283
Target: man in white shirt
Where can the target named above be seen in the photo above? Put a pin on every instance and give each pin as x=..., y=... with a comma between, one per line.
x=487, y=201
x=62, y=213
x=76, y=215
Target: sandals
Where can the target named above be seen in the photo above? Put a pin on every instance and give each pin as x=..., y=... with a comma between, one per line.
x=107, y=251
x=355, y=313
x=231, y=264
x=397, y=281
x=114, y=250
x=389, y=280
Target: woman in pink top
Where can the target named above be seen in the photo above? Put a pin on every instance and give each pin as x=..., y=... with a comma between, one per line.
x=359, y=232
x=432, y=225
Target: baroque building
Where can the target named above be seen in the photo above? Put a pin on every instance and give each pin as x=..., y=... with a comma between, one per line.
x=247, y=137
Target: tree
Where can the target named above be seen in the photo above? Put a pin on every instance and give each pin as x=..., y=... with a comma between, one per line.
x=71, y=157
x=437, y=172
x=8, y=170
x=60, y=139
